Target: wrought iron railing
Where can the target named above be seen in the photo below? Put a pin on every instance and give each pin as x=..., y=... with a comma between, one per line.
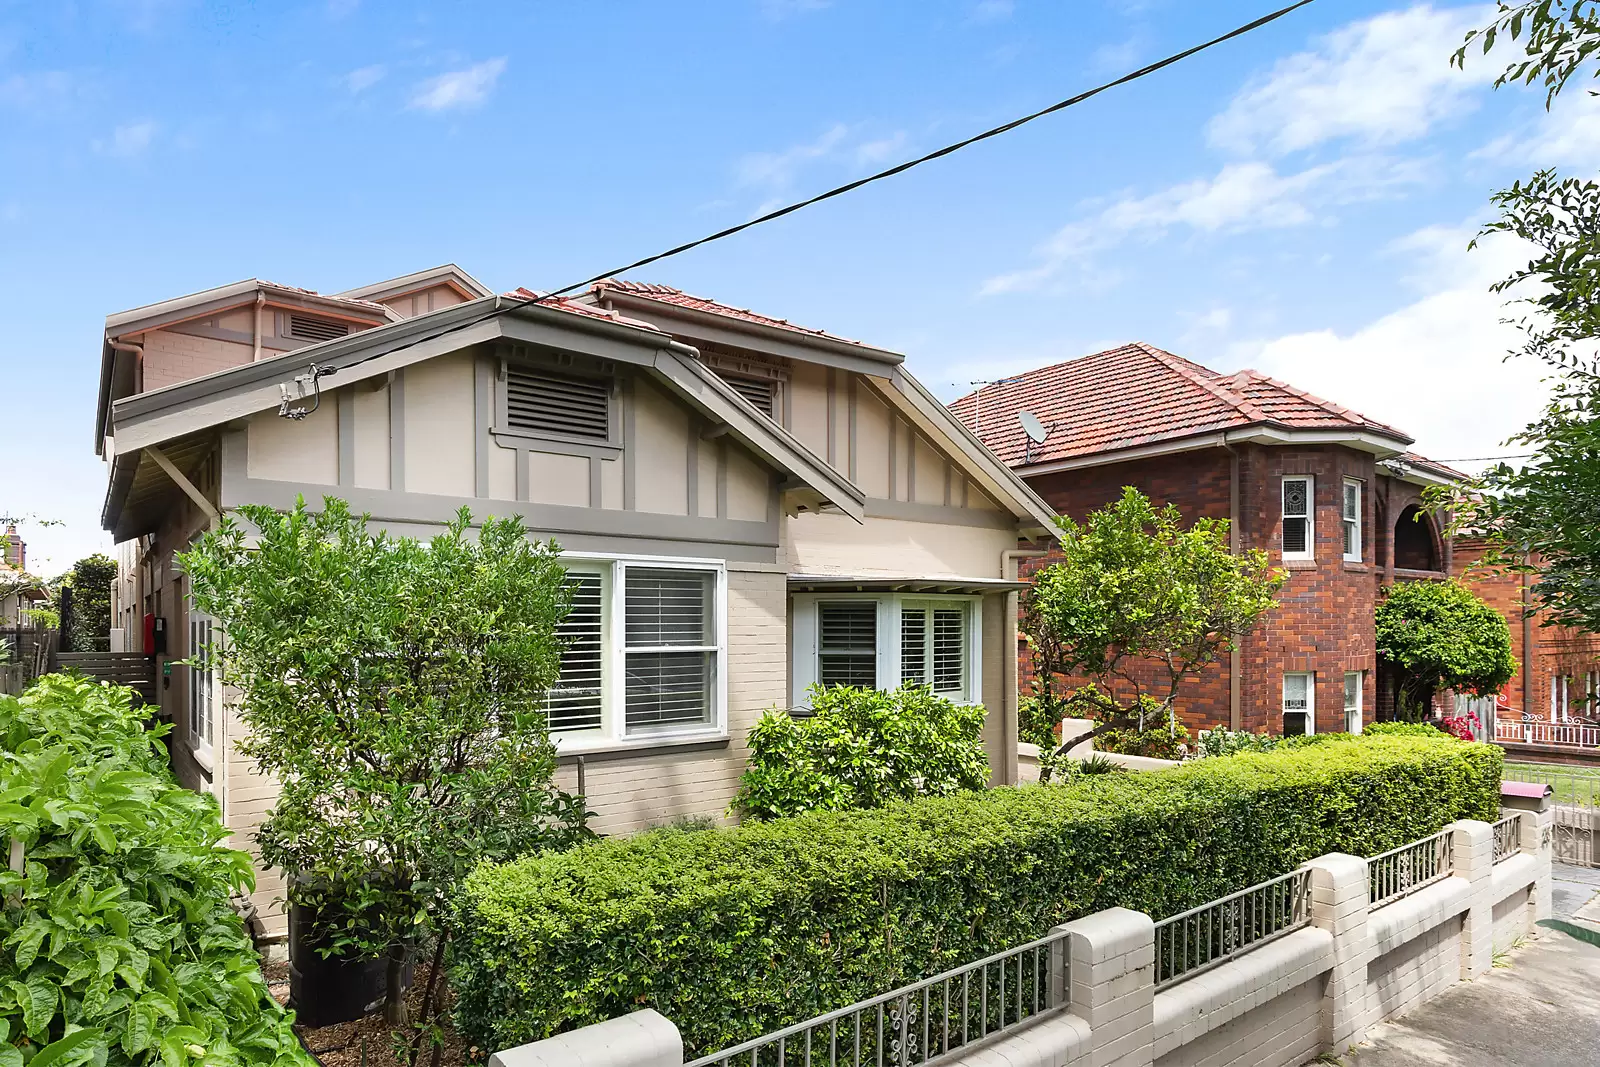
x=1532, y=732
x=921, y=1021
x=1508, y=836
x=1402, y=871
x=1201, y=938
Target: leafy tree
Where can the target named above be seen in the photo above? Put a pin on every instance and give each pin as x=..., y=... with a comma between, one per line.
x=1540, y=516
x=90, y=580
x=862, y=748
x=395, y=689
x=1142, y=605
x=1442, y=636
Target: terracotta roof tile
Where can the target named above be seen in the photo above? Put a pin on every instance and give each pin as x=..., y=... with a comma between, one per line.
x=568, y=304
x=668, y=295
x=1136, y=395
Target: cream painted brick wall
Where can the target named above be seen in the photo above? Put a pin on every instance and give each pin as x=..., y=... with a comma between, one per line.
x=170, y=358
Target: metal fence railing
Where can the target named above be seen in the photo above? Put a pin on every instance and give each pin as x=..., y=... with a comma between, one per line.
x=1402, y=871
x=1196, y=940
x=1508, y=836
x=1531, y=732
x=920, y=1021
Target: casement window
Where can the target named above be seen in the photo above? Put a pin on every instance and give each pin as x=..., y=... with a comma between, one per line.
x=1351, y=516
x=1352, y=701
x=882, y=641
x=642, y=655
x=1299, y=703
x=1298, y=535
x=202, y=687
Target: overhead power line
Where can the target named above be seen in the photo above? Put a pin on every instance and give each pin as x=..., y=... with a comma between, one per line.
x=900, y=168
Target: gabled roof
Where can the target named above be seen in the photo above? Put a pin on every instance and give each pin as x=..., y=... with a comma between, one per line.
x=185, y=411
x=1139, y=395
x=444, y=274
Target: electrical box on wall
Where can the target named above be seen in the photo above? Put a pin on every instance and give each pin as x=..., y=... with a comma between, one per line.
x=155, y=635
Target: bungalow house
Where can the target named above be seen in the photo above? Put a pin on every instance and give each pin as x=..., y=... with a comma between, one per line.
x=1333, y=497
x=818, y=512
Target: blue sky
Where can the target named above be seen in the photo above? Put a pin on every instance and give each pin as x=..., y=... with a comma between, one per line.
x=1298, y=201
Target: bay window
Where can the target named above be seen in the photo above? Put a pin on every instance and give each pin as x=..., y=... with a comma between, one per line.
x=642, y=653
x=882, y=641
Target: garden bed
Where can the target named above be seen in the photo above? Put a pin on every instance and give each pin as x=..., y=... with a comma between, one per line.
x=369, y=1042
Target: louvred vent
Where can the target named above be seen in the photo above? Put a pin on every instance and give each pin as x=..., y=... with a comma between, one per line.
x=761, y=392
x=566, y=407
x=309, y=329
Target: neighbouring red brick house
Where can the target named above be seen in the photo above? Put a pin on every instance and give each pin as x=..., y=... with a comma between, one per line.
x=1335, y=498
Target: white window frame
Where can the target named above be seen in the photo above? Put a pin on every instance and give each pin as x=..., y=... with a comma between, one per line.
x=1310, y=516
x=612, y=733
x=1351, y=524
x=203, y=693
x=806, y=631
x=1356, y=709
x=1311, y=700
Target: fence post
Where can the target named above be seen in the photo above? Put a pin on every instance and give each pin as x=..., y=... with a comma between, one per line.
x=1538, y=832
x=1340, y=897
x=1472, y=857
x=643, y=1039
x=1112, y=985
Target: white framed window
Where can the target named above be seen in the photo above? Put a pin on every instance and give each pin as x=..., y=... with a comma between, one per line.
x=1299, y=703
x=1352, y=701
x=202, y=688
x=1351, y=515
x=643, y=653
x=884, y=640
x=1299, y=536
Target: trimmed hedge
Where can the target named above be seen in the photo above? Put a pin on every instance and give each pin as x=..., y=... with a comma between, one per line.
x=732, y=933
x=1403, y=729
x=118, y=947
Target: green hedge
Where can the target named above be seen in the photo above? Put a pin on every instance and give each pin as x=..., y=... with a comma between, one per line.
x=732, y=933
x=117, y=944
x=1403, y=729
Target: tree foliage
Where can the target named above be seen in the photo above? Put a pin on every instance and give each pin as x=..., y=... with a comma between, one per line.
x=862, y=748
x=1141, y=604
x=90, y=580
x=118, y=947
x=395, y=690
x=1541, y=515
x=1442, y=636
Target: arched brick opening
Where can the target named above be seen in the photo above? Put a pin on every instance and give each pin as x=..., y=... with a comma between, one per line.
x=1416, y=542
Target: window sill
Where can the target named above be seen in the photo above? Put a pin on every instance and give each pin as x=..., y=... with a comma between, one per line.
x=1357, y=566
x=1403, y=572
x=1299, y=564
x=568, y=749
x=203, y=757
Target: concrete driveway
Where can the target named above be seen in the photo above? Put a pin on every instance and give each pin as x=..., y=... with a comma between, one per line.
x=1540, y=1010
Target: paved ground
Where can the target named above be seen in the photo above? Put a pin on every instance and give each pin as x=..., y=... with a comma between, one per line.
x=1540, y=1011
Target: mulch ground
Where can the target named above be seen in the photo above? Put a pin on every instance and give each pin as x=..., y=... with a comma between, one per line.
x=370, y=1042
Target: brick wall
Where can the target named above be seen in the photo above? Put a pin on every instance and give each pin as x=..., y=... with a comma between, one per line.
x=176, y=357
x=1324, y=623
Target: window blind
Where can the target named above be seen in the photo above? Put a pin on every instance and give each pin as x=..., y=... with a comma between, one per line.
x=1296, y=704
x=847, y=643
x=550, y=404
x=669, y=629
x=949, y=651
x=574, y=703
x=914, y=646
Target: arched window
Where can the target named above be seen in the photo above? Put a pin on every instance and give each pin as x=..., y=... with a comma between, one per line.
x=1415, y=547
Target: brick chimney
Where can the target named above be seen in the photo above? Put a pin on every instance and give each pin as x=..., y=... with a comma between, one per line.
x=16, y=552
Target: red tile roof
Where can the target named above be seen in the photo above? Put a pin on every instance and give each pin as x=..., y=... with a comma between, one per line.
x=666, y=294
x=565, y=303
x=1139, y=395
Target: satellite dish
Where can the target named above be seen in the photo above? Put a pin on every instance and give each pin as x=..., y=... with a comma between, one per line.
x=1032, y=426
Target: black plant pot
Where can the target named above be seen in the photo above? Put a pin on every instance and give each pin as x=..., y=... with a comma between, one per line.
x=324, y=990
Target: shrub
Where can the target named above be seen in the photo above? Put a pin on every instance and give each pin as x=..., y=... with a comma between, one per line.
x=1224, y=742
x=732, y=933
x=1162, y=737
x=862, y=748
x=1402, y=729
x=120, y=923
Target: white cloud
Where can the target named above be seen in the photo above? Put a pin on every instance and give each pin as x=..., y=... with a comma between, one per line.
x=840, y=146
x=779, y=168
x=128, y=140
x=992, y=10
x=1381, y=80
x=363, y=78
x=1568, y=135
x=459, y=88
x=1434, y=368
x=1242, y=196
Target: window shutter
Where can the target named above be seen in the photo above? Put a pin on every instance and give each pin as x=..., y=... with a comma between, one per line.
x=1296, y=515
x=311, y=329
x=668, y=610
x=847, y=645
x=914, y=646
x=574, y=702
x=949, y=650
x=549, y=404
x=761, y=392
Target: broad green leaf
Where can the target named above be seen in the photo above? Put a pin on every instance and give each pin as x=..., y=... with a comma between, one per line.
x=56, y=1051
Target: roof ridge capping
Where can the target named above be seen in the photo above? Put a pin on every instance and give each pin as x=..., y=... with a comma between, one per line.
x=1209, y=381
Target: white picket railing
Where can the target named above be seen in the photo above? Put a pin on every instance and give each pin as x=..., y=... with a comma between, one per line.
x=1547, y=733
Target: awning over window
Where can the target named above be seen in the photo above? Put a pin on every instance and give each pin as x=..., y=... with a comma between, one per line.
x=878, y=583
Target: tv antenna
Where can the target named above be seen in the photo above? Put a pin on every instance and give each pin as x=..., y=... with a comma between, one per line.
x=1036, y=431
